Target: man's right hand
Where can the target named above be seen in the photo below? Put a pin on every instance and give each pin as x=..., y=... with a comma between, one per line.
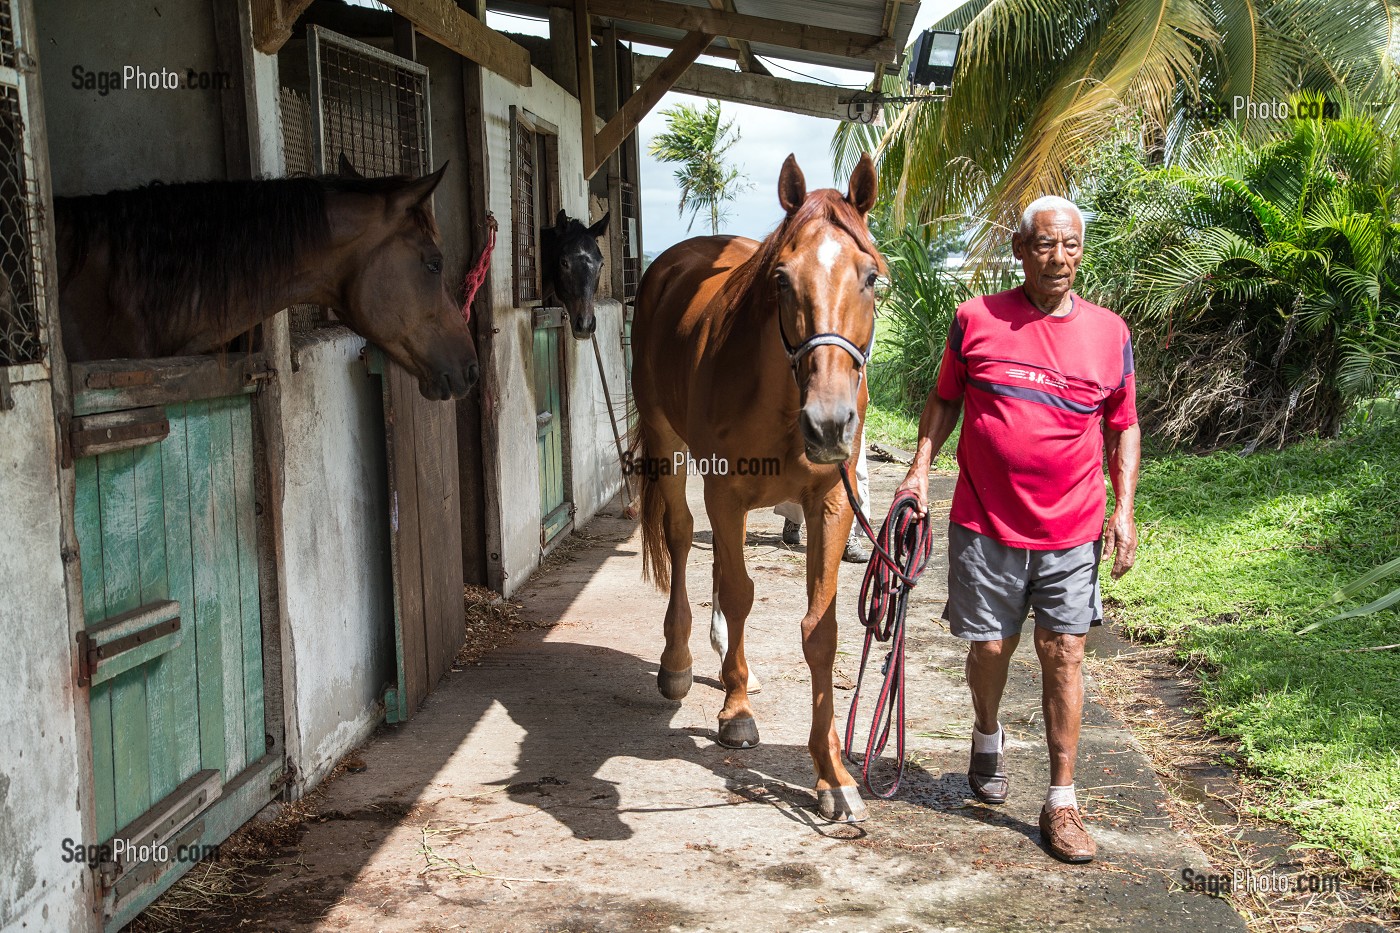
x=916, y=482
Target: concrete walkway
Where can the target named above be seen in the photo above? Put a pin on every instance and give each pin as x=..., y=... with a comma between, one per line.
x=552, y=788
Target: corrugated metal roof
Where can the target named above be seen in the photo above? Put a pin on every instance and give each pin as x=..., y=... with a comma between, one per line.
x=863, y=17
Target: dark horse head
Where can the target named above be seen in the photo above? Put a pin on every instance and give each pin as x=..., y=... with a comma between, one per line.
x=181, y=269
x=572, y=261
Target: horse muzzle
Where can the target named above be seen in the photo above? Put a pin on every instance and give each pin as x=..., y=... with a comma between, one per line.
x=451, y=384
x=828, y=431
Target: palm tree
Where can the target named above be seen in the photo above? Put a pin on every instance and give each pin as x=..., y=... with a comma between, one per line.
x=1263, y=277
x=697, y=139
x=1040, y=83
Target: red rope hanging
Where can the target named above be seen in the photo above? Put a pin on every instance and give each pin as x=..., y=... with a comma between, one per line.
x=476, y=275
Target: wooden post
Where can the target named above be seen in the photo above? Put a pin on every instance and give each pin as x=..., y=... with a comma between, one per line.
x=583, y=42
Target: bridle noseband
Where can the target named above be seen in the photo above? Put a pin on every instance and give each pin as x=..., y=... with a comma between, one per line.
x=795, y=354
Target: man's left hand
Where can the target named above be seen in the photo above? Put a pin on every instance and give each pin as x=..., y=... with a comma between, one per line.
x=1121, y=541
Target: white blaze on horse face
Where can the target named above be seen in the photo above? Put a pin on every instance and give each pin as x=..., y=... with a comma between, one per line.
x=828, y=251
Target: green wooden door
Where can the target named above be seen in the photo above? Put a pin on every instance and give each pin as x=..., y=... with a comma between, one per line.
x=555, y=508
x=168, y=548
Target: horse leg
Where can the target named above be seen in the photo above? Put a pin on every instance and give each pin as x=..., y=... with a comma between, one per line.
x=733, y=598
x=674, y=677
x=828, y=524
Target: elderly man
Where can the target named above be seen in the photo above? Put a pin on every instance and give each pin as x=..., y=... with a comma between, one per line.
x=1046, y=379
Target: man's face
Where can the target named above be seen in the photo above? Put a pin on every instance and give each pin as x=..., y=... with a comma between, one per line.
x=1050, y=255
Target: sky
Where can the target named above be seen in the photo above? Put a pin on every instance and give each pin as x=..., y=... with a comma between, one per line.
x=766, y=137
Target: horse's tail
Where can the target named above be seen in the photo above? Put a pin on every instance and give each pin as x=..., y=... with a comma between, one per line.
x=656, y=556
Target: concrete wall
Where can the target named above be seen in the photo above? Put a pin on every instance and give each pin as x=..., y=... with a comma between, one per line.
x=126, y=137
x=596, y=477
x=43, y=772
x=336, y=534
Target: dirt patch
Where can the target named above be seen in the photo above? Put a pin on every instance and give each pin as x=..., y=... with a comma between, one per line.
x=1213, y=803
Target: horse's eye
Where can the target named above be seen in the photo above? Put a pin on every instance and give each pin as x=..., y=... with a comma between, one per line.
x=783, y=281
x=435, y=266
x=870, y=280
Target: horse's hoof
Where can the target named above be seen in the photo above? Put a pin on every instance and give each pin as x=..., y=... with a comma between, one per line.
x=842, y=805
x=738, y=733
x=674, y=685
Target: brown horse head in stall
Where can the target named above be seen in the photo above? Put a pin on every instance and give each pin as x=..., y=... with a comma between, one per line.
x=570, y=263
x=172, y=270
x=752, y=356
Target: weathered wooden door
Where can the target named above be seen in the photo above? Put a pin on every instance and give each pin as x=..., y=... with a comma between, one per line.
x=555, y=509
x=172, y=651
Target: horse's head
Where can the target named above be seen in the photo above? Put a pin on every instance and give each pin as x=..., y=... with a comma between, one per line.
x=391, y=287
x=823, y=273
x=571, y=262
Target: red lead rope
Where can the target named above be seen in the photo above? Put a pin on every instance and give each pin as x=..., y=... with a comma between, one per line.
x=476, y=275
x=902, y=550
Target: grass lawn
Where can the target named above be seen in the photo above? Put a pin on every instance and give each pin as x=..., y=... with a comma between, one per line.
x=1236, y=555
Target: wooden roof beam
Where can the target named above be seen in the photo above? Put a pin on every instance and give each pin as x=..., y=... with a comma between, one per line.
x=853, y=45
x=816, y=100
x=748, y=61
x=627, y=35
x=448, y=24
x=273, y=21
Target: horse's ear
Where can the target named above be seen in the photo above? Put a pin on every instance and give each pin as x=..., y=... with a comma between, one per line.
x=864, y=185
x=561, y=222
x=345, y=169
x=417, y=191
x=599, y=228
x=792, y=187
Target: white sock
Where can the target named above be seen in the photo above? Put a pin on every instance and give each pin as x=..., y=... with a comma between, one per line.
x=1061, y=797
x=984, y=744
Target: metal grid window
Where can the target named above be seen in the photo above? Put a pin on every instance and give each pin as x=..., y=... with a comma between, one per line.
x=631, y=249
x=20, y=335
x=534, y=198
x=368, y=104
x=7, y=35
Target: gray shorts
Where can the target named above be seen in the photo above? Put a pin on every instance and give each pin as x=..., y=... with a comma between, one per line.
x=991, y=587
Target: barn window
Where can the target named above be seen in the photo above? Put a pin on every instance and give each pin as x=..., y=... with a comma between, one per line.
x=534, y=197
x=21, y=338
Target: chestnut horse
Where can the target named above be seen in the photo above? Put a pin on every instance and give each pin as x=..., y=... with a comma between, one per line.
x=173, y=270
x=746, y=351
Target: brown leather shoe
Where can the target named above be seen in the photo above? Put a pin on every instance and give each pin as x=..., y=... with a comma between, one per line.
x=986, y=775
x=1063, y=832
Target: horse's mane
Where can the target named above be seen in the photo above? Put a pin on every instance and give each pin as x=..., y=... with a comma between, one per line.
x=189, y=253
x=751, y=280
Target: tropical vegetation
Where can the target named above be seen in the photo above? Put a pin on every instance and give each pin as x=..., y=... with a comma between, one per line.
x=1261, y=277
x=1040, y=84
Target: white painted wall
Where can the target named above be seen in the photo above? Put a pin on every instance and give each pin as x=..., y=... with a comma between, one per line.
x=43, y=772
x=596, y=477
x=336, y=534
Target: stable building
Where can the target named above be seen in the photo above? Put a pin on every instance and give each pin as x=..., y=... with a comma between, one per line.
x=221, y=573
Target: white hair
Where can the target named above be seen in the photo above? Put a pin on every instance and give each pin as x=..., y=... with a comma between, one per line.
x=1049, y=202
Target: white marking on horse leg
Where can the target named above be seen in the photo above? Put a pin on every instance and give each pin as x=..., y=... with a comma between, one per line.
x=828, y=251
x=719, y=640
x=719, y=627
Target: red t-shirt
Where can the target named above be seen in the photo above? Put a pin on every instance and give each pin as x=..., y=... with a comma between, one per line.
x=1035, y=391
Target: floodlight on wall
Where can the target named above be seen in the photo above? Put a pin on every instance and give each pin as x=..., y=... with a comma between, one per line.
x=933, y=59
